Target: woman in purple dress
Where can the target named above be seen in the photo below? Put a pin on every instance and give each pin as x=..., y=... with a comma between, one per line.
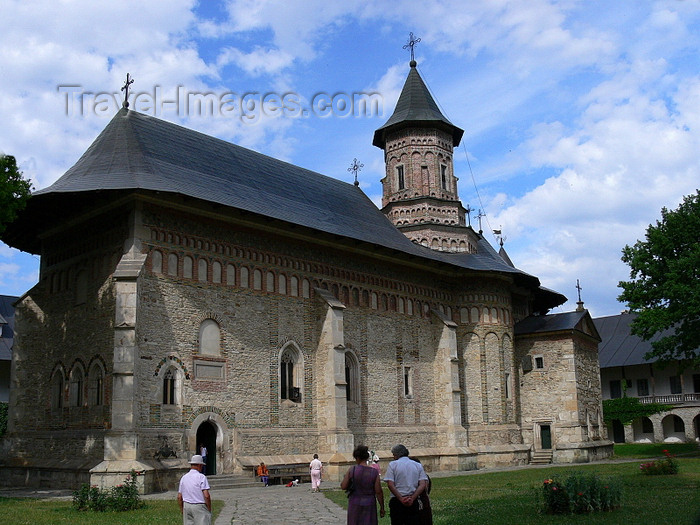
x=365, y=490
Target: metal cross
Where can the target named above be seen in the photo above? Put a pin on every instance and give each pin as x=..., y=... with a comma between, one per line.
x=469, y=210
x=125, y=89
x=354, y=168
x=412, y=41
x=578, y=287
x=479, y=216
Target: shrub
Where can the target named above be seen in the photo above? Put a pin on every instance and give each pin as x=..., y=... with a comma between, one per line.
x=666, y=465
x=580, y=493
x=119, y=498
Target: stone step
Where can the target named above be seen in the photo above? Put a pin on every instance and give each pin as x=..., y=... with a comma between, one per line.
x=232, y=481
x=541, y=457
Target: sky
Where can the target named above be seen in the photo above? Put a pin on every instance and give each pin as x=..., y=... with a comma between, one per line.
x=581, y=118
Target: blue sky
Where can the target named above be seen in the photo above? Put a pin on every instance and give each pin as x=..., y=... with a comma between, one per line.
x=581, y=118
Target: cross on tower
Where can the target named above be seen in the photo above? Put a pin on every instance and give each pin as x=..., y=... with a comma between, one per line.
x=479, y=216
x=578, y=287
x=412, y=41
x=354, y=168
x=469, y=210
x=125, y=89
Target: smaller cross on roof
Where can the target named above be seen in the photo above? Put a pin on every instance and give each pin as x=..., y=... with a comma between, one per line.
x=125, y=89
x=355, y=167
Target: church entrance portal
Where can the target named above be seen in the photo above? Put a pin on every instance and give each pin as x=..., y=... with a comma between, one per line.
x=206, y=435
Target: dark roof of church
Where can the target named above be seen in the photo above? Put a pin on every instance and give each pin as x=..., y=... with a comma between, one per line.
x=620, y=347
x=416, y=107
x=140, y=152
x=549, y=323
x=7, y=325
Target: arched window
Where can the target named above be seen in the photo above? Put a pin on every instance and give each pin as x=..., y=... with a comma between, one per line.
x=270, y=282
x=245, y=277
x=209, y=338
x=216, y=272
x=187, y=267
x=306, y=289
x=76, y=386
x=157, y=261
x=57, y=390
x=282, y=284
x=291, y=374
x=169, y=383
x=96, y=378
x=230, y=275
x=293, y=286
x=352, y=378
x=202, y=268
x=257, y=280
x=172, y=264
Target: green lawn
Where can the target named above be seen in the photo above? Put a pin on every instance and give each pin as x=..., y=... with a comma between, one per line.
x=512, y=497
x=651, y=450
x=57, y=512
x=494, y=498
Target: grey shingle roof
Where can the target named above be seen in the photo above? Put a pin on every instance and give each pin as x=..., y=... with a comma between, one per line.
x=140, y=152
x=416, y=107
x=549, y=323
x=619, y=346
x=7, y=326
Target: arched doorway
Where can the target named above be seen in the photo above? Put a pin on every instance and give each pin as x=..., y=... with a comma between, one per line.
x=206, y=435
x=618, y=431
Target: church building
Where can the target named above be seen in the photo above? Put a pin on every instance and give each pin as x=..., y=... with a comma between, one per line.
x=195, y=292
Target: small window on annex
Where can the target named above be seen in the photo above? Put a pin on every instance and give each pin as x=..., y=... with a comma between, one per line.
x=539, y=361
x=290, y=374
x=209, y=338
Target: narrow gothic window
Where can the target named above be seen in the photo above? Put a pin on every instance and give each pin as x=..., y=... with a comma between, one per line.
x=257, y=280
x=169, y=388
x=230, y=275
x=245, y=277
x=76, y=387
x=294, y=286
x=408, y=381
x=290, y=385
x=401, y=183
x=57, y=390
x=96, y=386
x=352, y=383
x=443, y=176
x=216, y=272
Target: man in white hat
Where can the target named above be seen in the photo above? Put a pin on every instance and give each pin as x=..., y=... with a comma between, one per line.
x=193, y=495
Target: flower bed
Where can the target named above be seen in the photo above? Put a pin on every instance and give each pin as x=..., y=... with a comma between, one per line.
x=664, y=466
x=580, y=493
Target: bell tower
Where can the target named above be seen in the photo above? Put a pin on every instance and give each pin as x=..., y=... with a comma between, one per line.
x=420, y=187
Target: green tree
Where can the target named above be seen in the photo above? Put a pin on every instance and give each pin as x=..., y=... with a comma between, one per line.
x=14, y=190
x=664, y=286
